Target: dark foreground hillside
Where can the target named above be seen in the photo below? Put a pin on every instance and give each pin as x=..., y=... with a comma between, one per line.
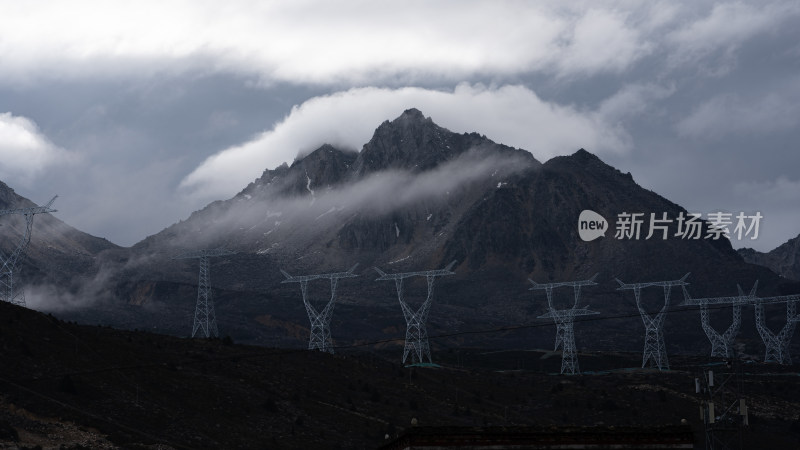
x=68, y=386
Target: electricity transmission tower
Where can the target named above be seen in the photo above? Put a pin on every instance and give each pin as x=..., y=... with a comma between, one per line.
x=8, y=263
x=777, y=345
x=320, y=320
x=721, y=344
x=654, y=349
x=564, y=320
x=205, y=318
x=416, y=333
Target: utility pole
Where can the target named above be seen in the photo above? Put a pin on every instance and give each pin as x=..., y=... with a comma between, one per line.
x=723, y=409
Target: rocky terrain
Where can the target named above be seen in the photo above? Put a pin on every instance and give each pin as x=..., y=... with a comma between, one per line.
x=64, y=385
x=783, y=260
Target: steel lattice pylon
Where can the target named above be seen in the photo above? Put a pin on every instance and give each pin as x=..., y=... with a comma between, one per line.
x=416, y=333
x=320, y=338
x=205, y=318
x=564, y=320
x=777, y=345
x=654, y=349
x=722, y=344
x=8, y=263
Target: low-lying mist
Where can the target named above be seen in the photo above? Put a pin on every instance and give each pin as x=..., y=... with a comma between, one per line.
x=255, y=223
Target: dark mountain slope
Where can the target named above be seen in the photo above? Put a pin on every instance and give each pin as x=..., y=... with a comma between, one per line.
x=68, y=386
x=783, y=260
x=57, y=251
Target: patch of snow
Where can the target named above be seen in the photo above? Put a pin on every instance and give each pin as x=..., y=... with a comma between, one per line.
x=308, y=188
x=396, y=230
x=248, y=196
x=401, y=259
x=273, y=214
x=266, y=250
x=333, y=209
x=498, y=185
x=429, y=217
x=278, y=223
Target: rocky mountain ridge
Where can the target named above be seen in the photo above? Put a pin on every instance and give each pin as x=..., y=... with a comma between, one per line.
x=783, y=260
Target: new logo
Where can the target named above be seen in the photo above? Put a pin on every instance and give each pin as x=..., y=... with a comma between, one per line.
x=591, y=225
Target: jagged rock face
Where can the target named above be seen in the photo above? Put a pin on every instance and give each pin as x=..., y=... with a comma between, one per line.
x=783, y=260
x=413, y=142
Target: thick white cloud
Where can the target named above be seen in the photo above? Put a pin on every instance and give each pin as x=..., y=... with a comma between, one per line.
x=512, y=115
x=600, y=39
x=362, y=42
x=24, y=150
x=317, y=42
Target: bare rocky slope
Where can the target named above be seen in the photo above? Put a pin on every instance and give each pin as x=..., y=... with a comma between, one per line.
x=783, y=260
x=58, y=254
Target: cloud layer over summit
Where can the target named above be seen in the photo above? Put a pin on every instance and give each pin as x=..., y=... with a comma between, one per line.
x=138, y=113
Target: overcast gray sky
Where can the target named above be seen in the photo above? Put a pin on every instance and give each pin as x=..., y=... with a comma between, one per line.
x=138, y=113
